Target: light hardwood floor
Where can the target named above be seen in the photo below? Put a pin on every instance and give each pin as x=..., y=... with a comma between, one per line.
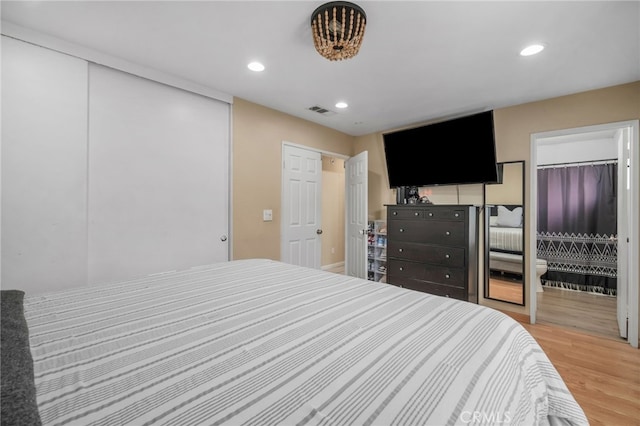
x=510, y=291
x=578, y=310
x=603, y=374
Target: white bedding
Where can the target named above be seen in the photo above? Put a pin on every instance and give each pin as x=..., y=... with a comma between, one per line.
x=505, y=239
x=261, y=342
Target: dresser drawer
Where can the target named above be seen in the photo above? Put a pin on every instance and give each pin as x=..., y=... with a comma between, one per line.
x=434, y=232
x=432, y=288
x=404, y=213
x=444, y=214
x=409, y=213
x=401, y=269
x=436, y=255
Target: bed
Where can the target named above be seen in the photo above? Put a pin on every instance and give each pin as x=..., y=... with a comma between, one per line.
x=506, y=243
x=258, y=342
x=506, y=239
x=505, y=229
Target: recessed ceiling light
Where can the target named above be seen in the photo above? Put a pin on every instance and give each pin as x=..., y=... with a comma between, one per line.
x=342, y=105
x=256, y=66
x=532, y=50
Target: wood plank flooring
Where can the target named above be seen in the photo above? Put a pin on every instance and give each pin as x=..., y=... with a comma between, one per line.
x=580, y=311
x=602, y=374
x=509, y=291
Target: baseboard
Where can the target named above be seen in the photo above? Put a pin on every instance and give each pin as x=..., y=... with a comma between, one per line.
x=333, y=266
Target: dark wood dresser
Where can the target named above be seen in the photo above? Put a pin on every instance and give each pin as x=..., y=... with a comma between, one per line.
x=433, y=248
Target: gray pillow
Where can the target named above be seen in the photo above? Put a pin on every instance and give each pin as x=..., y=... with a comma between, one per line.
x=509, y=218
x=19, y=405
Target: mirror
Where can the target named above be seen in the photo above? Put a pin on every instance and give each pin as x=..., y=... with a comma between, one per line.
x=504, y=235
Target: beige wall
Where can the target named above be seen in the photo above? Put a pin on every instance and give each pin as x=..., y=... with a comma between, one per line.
x=258, y=133
x=510, y=190
x=513, y=127
x=332, y=210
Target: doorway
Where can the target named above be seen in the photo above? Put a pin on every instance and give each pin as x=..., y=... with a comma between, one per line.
x=324, y=195
x=581, y=142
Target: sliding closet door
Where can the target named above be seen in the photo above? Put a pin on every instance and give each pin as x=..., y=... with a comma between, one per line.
x=44, y=172
x=158, y=177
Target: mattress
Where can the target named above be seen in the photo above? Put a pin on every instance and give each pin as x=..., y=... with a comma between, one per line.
x=261, y=342
x=505, y=239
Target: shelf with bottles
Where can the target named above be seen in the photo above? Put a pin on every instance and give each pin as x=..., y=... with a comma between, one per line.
x=377, y=251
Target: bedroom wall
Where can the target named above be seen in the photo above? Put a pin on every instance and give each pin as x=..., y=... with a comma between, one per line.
x=258, y=134
x=508, y=192
x=514, y=126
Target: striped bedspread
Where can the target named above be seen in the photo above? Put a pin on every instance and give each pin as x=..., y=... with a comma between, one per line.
x=505, y=239
x=259, y=342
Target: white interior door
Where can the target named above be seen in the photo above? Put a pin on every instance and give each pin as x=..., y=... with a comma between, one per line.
x=356, y=170
x=301, y=207
x=622, y=140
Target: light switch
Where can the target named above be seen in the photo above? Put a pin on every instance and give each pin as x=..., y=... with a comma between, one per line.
x=267, y=215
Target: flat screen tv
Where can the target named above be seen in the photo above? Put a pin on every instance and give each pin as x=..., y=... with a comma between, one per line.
x=452, y=152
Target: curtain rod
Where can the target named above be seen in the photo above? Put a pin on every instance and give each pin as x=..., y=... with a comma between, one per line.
x=578, y=163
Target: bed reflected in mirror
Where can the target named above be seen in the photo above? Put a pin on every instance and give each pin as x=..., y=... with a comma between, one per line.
x=504, y=231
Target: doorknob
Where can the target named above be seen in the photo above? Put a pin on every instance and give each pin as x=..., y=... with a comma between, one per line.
x=223, y=238
x=318, y=231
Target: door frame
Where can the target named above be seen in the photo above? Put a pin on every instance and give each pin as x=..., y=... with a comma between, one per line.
x=282, y=184
x=633, y=222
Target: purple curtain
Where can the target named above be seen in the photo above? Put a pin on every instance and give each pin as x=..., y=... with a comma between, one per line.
x=577, y=226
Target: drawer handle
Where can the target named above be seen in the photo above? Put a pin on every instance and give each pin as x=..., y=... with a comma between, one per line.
x=430, y=214
x=401, y=268
x=446, y=256
x=401, y=230
x=457, y=214
x=400, y=250
x=447, y=276
x=447, y=233
x=395, y=213
x=416, y=214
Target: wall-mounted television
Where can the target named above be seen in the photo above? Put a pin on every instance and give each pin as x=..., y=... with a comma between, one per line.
x=451, y=152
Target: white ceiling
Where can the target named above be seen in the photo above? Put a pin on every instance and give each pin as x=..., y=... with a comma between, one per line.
x=420, y=60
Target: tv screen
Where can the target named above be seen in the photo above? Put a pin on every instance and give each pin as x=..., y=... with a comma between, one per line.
x=458, y=151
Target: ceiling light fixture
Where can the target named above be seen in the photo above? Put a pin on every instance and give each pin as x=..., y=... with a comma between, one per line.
x=338, y=29
x=532, y=50
x=256, y=66
x=342, y=105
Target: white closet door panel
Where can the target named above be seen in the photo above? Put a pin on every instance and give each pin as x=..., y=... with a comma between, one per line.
x=158, y=177
x=44, y=172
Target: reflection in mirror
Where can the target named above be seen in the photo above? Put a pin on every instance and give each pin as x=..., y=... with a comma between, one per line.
x=504, y=235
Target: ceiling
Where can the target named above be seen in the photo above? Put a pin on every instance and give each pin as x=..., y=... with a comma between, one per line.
x=420, y=61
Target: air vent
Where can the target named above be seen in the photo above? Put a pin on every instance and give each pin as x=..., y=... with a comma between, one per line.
x=321, y=110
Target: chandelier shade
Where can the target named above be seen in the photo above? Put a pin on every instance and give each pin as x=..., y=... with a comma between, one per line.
x=338, y=29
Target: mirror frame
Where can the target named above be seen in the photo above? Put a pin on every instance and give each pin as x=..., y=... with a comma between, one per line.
x=487, y=239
